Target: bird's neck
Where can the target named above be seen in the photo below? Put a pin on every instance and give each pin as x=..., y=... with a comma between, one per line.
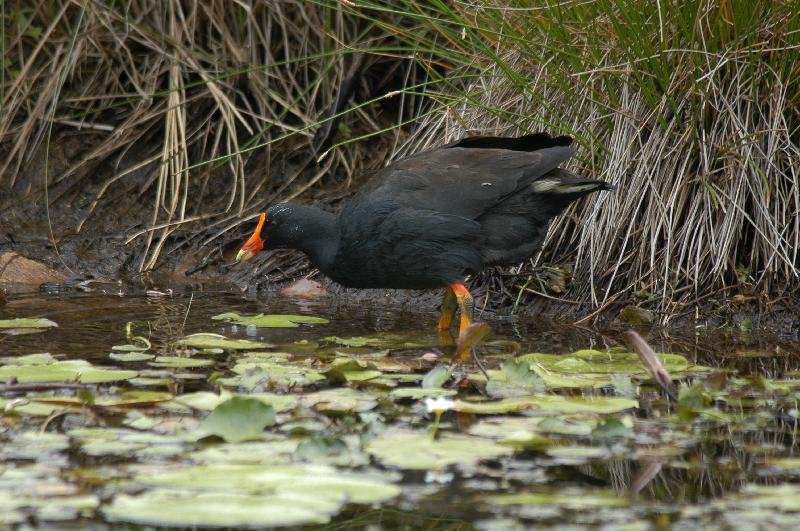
x=317, y=235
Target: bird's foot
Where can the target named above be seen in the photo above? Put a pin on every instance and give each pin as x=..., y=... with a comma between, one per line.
x=468, y=339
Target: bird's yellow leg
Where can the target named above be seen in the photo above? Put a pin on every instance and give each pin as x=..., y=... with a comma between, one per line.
x=465, y=304
x=449, y=306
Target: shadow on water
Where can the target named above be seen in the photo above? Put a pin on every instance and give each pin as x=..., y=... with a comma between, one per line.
x=668, y=475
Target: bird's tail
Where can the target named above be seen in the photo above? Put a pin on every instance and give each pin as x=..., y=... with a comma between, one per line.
x=561, y=181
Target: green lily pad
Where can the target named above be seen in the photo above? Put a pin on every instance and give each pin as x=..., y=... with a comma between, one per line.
x=255, y=373
x=129, y=348
x=437, y=376
x=549, y=403
x=64, y=371
x=507, y=428
x=212, y=341
x=515, y=379
x=26, y=323
x=569, y=498
x=248, y=495
x=418, y=450
x=179, y=362
x=421, y=392
x=340, y=400
x=385, y=341
x=238, y=419
x=344, y=370
x=596, y=361
x=207, y=401
x=42, y=358
x=130, y=356
x=269, y=320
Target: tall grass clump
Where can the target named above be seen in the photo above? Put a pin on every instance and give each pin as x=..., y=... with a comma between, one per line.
x=198, y=112
x=690, y=107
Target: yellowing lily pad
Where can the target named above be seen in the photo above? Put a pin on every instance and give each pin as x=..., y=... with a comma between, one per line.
x=211, y=341
x=26, y=323
x=418, y=450
x=269, y=320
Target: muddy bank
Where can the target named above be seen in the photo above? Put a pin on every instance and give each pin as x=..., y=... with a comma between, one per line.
x=65, y=235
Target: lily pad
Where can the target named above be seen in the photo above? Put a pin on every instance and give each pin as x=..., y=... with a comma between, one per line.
x=207, y=401
x=130, y=356
x=26, y=323
x=418, y=450
x=514, y=379
x=549, y=403
x=421, y=392
x=211, y=341
x=569, y=498
x=340, y=400
x=246, y=495
x=385, y=341
x=238, y=419
x=64, y=371
x=269, y=320
x=600, y=362
x=254, y=374
x=179, y=362
x=344, y=370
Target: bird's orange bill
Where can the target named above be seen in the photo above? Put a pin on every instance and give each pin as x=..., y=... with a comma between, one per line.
x=469, y=338
x=253, y=245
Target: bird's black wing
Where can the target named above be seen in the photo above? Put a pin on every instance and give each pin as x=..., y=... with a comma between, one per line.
x=464, y=179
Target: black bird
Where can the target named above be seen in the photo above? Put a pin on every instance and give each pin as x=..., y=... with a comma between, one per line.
x=432, y=219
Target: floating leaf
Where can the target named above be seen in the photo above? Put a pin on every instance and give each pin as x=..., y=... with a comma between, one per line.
x=417, y=450
x=269, y=320
x=246, y=496
x=437, y=376
x=255, y=374
x=515, y=379
x=568, y=498
x=63, y=371
x=179, y=362
x=421, y=392
x=207, y=401
x=557, y=403
x=238, y=419
x=130, y=356
x=344, y=370
x=596, y=361
x=129, y=348
x=385, y=341
x=26, y=323
x=341, y=400
x=211, y=341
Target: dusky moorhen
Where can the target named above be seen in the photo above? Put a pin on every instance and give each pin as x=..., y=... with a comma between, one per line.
x=431, y=219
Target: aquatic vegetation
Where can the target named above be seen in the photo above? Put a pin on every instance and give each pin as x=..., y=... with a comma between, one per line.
x=212, y=429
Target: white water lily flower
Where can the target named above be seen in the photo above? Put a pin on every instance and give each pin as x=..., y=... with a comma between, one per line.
x=439, y=404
